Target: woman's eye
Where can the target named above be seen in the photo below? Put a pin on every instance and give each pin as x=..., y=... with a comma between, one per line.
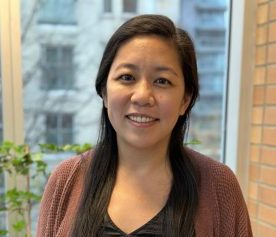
x=162, y=81
x=126, y=78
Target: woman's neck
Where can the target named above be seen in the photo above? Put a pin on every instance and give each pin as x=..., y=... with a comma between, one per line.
x=143, y=161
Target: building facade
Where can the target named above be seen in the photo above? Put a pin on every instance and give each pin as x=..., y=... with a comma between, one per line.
x=208, y=24
x=62, y=43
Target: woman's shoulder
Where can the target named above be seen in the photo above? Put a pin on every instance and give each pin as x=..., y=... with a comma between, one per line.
x=68, y=168
x=208, y=167
x=69, y=165
x=61, y=193
x=221, y=197
x=215, y=176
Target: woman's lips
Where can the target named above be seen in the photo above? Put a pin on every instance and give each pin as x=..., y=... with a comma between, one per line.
x=143, y=119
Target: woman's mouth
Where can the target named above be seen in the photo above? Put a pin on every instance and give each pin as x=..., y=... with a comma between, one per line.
x=141, y=118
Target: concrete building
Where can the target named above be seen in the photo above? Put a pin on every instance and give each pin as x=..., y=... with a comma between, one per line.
x=207, y=21
x=62, y=43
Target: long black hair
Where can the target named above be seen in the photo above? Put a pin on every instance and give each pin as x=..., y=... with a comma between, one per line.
x=100, y=178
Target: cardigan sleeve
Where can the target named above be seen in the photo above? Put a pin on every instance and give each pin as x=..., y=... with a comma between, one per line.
x=55, y=192
x=233, y=214
x=47, y=206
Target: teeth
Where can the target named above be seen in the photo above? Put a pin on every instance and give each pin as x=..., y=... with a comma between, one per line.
x=140, y=119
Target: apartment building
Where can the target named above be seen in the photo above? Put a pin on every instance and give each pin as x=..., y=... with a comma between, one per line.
x=62, y=43
x=208, y=24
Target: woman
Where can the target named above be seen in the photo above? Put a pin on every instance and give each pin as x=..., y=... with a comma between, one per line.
x=140, y=180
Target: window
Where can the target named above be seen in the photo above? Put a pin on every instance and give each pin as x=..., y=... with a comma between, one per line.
x=130, y=6
x=211, y=86
x=57, y=67
x=211, y=61
x=57, y=12
x=107, y=8
x=211, y=3
x=209, y=30
x=211, y=39
x=59, y=128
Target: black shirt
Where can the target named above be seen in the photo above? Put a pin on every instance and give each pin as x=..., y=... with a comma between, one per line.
x=153, y=228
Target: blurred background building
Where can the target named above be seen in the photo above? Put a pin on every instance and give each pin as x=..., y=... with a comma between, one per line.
x=62, y=43
x=208, y=22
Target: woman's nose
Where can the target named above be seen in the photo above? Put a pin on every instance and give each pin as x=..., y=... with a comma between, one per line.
x=142, y=94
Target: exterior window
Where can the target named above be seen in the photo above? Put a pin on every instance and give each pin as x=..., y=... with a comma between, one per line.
x=59, y=128
x=57, y=67
x=211, y=62
x=215, y=38
x=57, y=12
x=209, y=30
x=107, y=6
x=130, y=6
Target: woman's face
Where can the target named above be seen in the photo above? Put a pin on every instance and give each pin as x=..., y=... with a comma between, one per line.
x=145, y=92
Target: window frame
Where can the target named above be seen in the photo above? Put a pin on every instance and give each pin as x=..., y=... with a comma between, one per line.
x=53, y=17
x=240, y=74
x=59, y=131
x=13, y=120
x=11, y=71
x=60, y=66
x=129, y=12
x=109, y=4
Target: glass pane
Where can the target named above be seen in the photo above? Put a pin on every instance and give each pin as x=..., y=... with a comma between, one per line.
x=130, y=6
x=67, y=121
x=51, y=121
x=51, y=137
x=107, y=5
x=67, y=55
x=56, y=12
x=60, y=64
x=51, y=55
x=209, y=29
x=67, y=137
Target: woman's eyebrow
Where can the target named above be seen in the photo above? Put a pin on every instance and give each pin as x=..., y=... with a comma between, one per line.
x=126, y=65
x=157, y=68
x=166, y=69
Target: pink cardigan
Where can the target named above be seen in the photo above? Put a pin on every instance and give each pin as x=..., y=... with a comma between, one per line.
x=222, y=210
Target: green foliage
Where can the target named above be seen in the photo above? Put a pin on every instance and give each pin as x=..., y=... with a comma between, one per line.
x=3, y=232
x=193, y=142
x=20, y=162
x=76, y=148
x=19, y=225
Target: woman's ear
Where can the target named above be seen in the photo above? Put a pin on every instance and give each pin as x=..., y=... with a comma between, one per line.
x=184, y=104
x=104, y=97
x=104, y=100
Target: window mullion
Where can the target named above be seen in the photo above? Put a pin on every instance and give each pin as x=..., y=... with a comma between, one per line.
x=13, y=125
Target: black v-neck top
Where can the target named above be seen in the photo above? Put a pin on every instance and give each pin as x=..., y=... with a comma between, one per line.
x=153, y=228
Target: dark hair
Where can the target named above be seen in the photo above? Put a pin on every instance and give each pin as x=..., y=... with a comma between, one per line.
x=100, y=178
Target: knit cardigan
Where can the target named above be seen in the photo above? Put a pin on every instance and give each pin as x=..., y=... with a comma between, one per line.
x=222, y=211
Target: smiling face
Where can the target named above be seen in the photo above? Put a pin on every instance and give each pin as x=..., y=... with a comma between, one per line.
x=145, y=92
